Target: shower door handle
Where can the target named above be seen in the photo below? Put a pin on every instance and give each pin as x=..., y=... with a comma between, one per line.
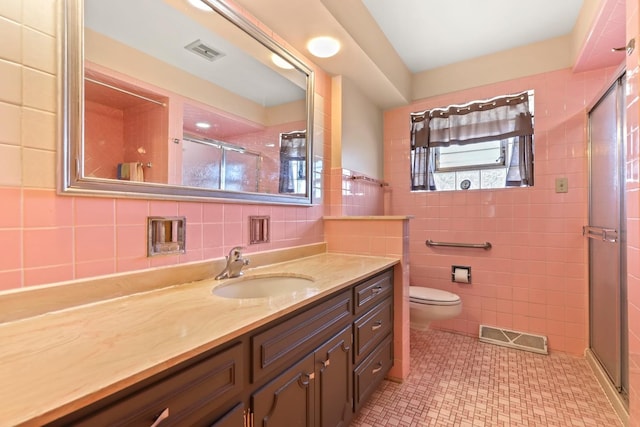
x=601, y=233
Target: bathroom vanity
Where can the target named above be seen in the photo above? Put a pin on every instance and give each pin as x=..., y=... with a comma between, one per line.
x=303, y=360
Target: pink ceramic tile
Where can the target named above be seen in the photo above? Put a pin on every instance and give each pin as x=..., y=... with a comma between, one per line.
x=164, y=260
x=233, y=234
x=192, y=211
x=232, y=213
x=48, y=247
x=212, y=212
x=94, y=211
x=47, y=275
x=131, y=264
x=10, y=279
x=11, y=249
x=11, y=212
x=131, y=211
x=43, y=208
x=94, y=243
x=163, y=208
x=131, y=241
x=95, y=268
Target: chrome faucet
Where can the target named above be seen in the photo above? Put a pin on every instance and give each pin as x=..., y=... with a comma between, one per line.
x=235, y=262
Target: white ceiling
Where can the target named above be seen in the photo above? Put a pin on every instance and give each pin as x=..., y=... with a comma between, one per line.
x=433, y=33
x=386, y=44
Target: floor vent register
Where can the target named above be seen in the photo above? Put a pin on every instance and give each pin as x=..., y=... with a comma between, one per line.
x=514, y=339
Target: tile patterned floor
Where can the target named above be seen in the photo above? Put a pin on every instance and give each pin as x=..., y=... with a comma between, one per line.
x=456, y=380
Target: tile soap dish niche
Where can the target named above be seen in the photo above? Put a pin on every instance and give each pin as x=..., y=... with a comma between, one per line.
x=166, y=235
x=259, y=229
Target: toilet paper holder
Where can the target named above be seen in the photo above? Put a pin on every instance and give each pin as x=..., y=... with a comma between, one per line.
x=461, y=273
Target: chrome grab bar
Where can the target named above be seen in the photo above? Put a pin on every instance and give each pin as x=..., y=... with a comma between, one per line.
x=485, y=245
x=604, y=234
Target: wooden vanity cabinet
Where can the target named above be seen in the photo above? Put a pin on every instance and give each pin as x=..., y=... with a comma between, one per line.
x=326, y=387
x=312, y=368
x=317, y=390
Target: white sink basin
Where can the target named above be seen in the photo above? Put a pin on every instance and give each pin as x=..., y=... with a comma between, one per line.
x=264, y=287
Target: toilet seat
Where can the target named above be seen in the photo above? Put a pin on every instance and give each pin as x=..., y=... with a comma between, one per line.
x=430, y=296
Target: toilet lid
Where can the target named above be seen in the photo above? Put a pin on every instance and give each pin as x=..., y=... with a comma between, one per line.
x=432, y=296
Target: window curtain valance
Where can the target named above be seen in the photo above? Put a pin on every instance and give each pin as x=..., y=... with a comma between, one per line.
x=502, y=118
x=481, y=121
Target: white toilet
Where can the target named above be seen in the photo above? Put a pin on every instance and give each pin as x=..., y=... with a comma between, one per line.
x=427, y=304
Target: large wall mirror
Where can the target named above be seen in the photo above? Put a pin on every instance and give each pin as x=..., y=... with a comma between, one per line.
x=181, y=99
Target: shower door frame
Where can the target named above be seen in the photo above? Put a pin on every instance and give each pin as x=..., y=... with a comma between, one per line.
x=619, y=378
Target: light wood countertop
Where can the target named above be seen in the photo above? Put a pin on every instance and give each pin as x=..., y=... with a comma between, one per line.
x=54, y=363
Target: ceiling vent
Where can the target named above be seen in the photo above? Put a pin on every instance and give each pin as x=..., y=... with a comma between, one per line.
x=200, y=48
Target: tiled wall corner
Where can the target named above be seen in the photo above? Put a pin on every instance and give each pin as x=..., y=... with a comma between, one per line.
x=381, y=237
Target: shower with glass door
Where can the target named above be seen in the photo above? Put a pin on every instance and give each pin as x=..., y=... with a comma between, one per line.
x=606, y=231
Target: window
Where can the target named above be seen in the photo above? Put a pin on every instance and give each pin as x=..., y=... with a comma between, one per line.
x=293, y=163
x=483, y=144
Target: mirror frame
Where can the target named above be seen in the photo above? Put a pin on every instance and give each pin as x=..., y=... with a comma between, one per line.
x=71, y=121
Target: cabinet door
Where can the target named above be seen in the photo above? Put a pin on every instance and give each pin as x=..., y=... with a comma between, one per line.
x=288, y=400
x=334, y=387
x=233, y=418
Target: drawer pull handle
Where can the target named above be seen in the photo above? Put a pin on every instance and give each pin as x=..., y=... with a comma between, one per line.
x=376, y=290
x=160, y=418
x=377, y=368
x=376, y=325
x=307, y=378
x=326, y=363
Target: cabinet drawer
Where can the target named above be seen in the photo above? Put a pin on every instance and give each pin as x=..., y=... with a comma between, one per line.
x=190, y=394
x=372, y=327
x=372, y=291
x=372, y=371
x=281, y=344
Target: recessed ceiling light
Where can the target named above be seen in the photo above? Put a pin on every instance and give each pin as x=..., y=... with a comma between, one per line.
x=203, y=125
x=323, y=47
x=198, y=4
x=277, y=59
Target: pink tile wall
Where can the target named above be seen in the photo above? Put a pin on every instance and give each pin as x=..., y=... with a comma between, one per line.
x=535, y=277
x=632, y=172
x=49, y=238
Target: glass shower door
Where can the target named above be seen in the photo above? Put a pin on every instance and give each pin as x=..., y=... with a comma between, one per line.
x=607, y=284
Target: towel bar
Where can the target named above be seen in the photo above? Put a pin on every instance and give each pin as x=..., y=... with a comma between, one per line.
x=485, y=245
